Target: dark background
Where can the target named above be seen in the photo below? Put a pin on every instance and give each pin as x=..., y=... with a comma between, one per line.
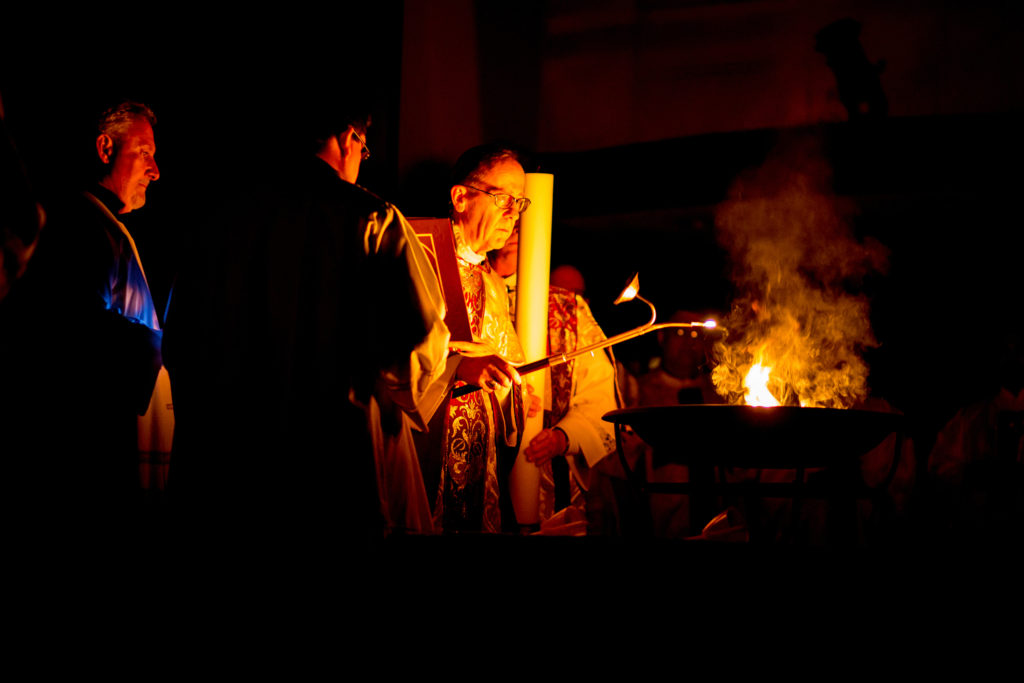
x=647, y=112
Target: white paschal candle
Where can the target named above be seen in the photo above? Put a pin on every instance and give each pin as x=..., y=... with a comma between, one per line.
x=532, y=328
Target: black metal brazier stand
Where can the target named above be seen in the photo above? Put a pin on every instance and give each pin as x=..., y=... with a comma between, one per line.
x=709, y=439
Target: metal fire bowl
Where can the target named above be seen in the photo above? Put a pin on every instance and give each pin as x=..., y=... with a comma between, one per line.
x=746, y=436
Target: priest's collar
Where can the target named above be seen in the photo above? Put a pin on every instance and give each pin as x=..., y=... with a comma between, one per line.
x=463, y=250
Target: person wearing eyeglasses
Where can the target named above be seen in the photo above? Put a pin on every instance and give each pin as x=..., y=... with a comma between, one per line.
x=482, y=430
x=301, y=342
x=346, y=150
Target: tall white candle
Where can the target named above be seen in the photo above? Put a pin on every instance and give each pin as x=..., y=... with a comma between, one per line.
x=532, y=327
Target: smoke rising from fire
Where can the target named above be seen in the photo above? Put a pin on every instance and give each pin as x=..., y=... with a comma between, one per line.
x=797, y=267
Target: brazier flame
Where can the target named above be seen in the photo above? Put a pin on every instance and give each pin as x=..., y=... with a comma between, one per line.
x=756, y=384
x=798, y=327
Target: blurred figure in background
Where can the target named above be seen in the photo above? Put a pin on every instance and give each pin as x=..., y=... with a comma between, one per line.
x=976, y=467
x=569, y=278
x=21, y=217
x=683, y=373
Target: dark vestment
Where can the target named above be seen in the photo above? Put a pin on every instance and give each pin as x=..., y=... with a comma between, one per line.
x=80, y=350
x=20, y=220
x=276, y=329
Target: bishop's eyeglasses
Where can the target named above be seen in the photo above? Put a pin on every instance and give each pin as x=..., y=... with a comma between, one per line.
x=366, y=150
x=505, y=201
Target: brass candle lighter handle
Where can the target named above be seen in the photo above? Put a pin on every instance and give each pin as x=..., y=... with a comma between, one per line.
x=632, y=291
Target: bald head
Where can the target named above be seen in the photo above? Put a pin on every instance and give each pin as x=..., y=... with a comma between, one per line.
x=568, y=277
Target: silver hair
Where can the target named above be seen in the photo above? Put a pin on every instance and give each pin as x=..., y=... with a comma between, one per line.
x=116, y=120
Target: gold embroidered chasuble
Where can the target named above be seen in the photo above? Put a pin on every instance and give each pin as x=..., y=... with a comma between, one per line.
x=482, y=430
